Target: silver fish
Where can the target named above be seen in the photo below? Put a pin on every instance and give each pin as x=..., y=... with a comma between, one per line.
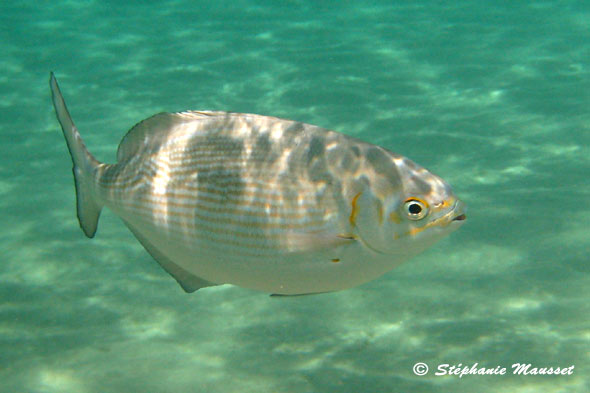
x=260, y=202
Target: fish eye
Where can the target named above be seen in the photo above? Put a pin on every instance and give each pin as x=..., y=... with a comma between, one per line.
x=415, y=209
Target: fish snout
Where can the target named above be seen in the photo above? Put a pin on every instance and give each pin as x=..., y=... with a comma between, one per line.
x=458, y=212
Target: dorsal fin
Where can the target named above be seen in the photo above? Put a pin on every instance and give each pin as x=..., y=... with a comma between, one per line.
x=153, y=131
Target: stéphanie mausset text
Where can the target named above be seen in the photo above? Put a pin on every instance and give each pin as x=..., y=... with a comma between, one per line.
x=516, y=369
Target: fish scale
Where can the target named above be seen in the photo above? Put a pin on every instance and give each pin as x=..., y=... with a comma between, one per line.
x=261, y=202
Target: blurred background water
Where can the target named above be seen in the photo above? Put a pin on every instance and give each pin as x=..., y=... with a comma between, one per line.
x=493, y=96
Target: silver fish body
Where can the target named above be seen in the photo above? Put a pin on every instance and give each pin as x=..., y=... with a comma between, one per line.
x=261, y=202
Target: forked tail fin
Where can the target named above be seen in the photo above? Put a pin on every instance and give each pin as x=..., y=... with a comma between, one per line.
x=85, y=164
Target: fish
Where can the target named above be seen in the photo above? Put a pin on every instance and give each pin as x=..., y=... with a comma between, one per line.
x=261, y=202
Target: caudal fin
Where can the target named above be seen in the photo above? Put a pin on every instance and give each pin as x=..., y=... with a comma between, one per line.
x=85, y=164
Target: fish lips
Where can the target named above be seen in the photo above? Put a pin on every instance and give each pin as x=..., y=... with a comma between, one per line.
x=458, y=213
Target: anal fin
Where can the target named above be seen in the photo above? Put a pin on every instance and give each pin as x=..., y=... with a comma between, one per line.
x=188, y=281
x=297, y=294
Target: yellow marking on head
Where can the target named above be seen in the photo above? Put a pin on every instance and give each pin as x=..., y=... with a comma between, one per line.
x=336, y=260
x=354, y=211
x=419, y=200
x=415, y=231
x=442, y=221
x=446, y=203
x=393, y=216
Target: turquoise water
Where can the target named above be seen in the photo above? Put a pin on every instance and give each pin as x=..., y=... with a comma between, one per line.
x=492, y=96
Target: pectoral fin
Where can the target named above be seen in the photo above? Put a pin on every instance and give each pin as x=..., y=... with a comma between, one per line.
x=308, y=241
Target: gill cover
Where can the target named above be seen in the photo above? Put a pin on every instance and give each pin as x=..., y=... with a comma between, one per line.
x=369, y=218
x=387, y=227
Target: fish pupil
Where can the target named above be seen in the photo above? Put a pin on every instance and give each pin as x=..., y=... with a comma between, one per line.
x=414, y=208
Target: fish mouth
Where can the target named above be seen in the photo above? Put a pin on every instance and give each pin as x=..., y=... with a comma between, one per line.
x=458, y=212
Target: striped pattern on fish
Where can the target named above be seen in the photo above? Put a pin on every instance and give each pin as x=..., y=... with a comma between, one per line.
x=261, y=202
